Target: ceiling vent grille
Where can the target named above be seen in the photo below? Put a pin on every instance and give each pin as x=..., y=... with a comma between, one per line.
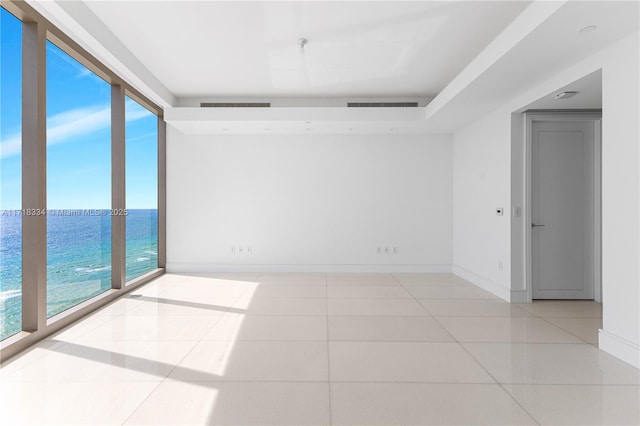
x=235, y=104
x=382, y=104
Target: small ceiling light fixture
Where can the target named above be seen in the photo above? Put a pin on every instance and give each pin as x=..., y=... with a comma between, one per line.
x=565, y=95
x=588, y=29
x=302, y=42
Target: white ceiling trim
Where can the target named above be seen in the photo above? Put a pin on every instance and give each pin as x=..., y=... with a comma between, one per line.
x=356, y=48
x=534, y=15
x=104, y=45
x=546, y=51
x=294, y=114
x=469, y=94
x=320, y=120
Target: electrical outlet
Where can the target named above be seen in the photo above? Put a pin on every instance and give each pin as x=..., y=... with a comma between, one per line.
x=386, y=250
x=379, y=250
x=241, y=250
x=249, y=249
x=233, y=249
x=395, y=250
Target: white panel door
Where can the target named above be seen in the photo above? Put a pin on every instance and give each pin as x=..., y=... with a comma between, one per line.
x=562, y=210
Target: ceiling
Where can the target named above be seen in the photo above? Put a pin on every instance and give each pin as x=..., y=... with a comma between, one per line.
x=552, y=46
x=460, y=59
x=355, y=48
x=588, y=96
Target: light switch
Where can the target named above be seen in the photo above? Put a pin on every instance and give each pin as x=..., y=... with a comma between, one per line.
x=499, y=211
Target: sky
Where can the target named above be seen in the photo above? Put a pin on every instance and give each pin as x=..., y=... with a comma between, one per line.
x=78, y=133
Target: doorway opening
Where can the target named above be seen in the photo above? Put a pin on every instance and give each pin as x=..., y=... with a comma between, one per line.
x=552, y=117
x=563, y=205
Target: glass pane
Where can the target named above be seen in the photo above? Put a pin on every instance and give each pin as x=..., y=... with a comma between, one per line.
x=78, y=182
x=10, y=174
x=142, y=190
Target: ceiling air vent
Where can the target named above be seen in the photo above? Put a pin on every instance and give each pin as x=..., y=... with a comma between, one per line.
x=235, y=104
x=382, y=104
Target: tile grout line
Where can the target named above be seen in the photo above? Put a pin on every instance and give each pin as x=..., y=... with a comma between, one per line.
x=480, y=317
x=499, y=384
x=196, y=342
x=544, y=318
x=426, y=382
x=133, y=411
x=534, y=315
x=567, y=331
x=414, y=298
x=70, y=326
x=480, y=365
x=326, y=293
x=143, y=401
x=472, y=357
x=492, y=377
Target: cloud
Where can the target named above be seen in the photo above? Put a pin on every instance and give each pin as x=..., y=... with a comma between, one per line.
x=11, y=146
x=70, y=124
x=80, y=70
x=84, y=72
x=65, y=126
x=141, y=137
x=133, y=110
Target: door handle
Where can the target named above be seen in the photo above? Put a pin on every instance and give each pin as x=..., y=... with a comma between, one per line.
x=533, y=225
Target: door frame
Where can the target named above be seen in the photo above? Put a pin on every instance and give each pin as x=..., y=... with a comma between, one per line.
x=595, y=117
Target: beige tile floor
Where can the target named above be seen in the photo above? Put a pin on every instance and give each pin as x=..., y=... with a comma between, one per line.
x=401, y=349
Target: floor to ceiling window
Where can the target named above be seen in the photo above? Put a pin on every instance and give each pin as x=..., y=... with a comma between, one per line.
x=63, y=170
x=78, y=182
x=10, y=175
x=141, y=165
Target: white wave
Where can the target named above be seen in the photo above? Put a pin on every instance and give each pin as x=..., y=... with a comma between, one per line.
x=9, y=294
x=142, y=259
x=151, y=252
x=103, y=268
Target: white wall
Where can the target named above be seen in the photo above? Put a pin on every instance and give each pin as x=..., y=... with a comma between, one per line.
x=305, y=203
x=482, y=158
x=481, y=185
x=621, y=201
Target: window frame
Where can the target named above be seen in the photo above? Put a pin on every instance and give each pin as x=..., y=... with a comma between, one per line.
x=36, y=326
x=15, y=208
x=158, y=120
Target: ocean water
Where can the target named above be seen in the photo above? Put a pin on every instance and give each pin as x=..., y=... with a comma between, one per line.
x=78, y=258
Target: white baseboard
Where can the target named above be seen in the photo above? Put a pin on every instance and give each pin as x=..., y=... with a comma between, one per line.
x=623, y=349
x=484, y=283
x=185, y=267
x=519, y=296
